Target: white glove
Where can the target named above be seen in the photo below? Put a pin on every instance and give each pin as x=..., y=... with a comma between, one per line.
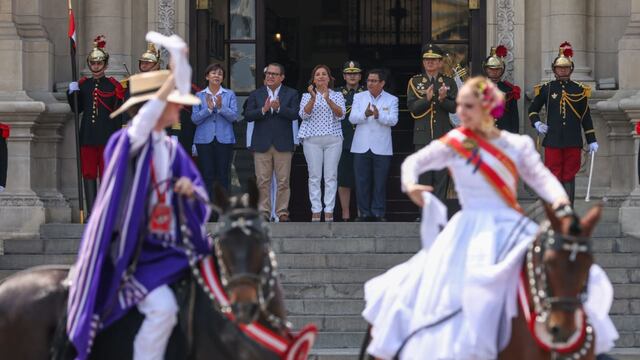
x=541, y=127
x=593, y=147
x=73, y=86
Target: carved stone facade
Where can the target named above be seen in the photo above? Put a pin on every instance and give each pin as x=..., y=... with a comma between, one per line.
x=33, y=80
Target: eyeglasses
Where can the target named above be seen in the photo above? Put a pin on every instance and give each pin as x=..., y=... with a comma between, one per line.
x=272, y=74
x=373, y=81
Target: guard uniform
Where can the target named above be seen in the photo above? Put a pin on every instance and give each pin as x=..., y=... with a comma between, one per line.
x=346, y=176
x=432, y=117
x=97, y=99
x=568, y=116
x=151, y=55
x=510, y=119
x=4, y=156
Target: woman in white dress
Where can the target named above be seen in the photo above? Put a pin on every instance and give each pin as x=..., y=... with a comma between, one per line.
x=465, y=279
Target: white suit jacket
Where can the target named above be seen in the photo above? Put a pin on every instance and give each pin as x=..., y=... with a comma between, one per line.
x=373, y=134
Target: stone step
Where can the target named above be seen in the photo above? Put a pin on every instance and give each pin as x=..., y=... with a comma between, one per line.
x=335, y=354
x=339, y=339
x=328, y=276
x=327, y=291
x=323, y=307
x=349, y=323
x=341, y=261
x=21, y=261
x=624, y=353
x=315, y=230
x=628, y=339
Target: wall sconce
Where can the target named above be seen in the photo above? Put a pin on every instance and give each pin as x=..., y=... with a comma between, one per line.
x=474, y=4
x=277, y=37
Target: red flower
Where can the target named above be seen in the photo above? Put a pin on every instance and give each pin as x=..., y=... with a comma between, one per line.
x=502, y=51
x=100, y=41
x=638, y=128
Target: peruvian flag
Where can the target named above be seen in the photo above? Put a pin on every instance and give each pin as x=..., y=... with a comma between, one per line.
x=72, y=29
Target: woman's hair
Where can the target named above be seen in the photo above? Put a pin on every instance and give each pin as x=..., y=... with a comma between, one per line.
x=491, y=98
x=214, y=67
x=322, y=66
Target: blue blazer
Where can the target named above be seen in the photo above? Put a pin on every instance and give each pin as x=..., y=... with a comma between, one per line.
x=272, y=129
x=216, y=124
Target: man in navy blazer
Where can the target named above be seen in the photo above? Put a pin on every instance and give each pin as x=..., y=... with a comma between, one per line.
x=272, y=108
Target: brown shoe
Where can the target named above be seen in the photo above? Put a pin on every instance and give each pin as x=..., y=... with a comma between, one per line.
x=284, y=218
x=328, y=217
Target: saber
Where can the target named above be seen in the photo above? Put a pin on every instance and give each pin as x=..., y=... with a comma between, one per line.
x=587, y=198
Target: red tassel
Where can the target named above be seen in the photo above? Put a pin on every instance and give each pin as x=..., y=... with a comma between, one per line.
x=638, y=128
x=502, y=51
x=565, y=44
x=568, y=52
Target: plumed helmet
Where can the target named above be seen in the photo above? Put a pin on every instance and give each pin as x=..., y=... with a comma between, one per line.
x=98, y=53
x=151, y=55
x=565, y=56
x=495, y=60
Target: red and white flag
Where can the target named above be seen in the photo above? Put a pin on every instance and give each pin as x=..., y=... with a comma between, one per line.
x=72, y=28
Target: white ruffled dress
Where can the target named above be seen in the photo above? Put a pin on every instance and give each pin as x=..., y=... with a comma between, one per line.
x=472, y=265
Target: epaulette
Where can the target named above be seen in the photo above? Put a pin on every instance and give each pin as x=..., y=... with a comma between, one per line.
x=118, y=86
x=536, y=88
x=586, y=89
x=514, y=91
x=82, y=80
x=124, y=83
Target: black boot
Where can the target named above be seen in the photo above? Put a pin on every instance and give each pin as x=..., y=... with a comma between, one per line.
x=90, y=192
x=570, y=188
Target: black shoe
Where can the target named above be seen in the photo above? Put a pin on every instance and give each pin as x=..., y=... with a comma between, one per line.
x=361, y=219
x=380, y=219
x=90, y=192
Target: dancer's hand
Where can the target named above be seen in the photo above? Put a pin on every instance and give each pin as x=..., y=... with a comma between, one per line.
x=415, y=193
x=184, y=186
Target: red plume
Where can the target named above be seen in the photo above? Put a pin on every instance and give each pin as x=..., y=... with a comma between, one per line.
x=565, y=44
x=502, y=51
x=100, y=41
x=567, y=49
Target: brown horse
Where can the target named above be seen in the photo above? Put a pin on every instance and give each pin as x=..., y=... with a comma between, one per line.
x=33, y=302
x=556, y=269
x=555, y=276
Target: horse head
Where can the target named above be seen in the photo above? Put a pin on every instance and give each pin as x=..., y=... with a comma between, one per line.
x=246, y=262
x=558, y=264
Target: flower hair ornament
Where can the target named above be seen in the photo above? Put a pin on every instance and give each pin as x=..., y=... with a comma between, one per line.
x=491, y=98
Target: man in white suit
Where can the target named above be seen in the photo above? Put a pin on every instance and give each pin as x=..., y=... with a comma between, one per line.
x=374, y=112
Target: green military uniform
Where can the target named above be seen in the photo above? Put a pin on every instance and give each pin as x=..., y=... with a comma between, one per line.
x=345, y=167
x=431, y=117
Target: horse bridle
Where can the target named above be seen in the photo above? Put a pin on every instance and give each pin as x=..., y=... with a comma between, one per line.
x=541, y=292
x=265, y=282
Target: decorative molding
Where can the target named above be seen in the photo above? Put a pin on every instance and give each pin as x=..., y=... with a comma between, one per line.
x=166, y=20
x=505, y=14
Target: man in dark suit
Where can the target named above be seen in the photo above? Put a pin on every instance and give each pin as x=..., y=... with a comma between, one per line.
x=272, y=108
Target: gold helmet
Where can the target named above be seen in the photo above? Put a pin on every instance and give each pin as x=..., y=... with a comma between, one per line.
x=151, y=55
x=495, y=60
x=565, y=56
x=98, y=53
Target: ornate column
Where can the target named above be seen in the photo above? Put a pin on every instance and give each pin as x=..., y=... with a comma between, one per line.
x=629, y=51
x=108, y=18
x=568, y=21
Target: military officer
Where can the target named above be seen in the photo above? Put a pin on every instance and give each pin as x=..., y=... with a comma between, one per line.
x=494, y=67
x=568, y=116
x=352, y=74
x=98, y=96
x=430, y=99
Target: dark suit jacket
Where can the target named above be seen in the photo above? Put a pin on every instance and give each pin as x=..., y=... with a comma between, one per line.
x=272, y=128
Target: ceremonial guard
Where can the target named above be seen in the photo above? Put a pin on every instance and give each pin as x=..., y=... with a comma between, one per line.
x=148, y=61
x=430, y=99
x=494, y=67
x=568, y=116
x=4, y=156
x=98, y=97
x=352, y=74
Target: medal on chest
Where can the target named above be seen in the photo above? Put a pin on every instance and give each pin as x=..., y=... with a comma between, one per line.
x=161, y=214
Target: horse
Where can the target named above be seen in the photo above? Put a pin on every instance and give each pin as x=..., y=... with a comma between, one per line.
x=555, y=269
x=220, y=326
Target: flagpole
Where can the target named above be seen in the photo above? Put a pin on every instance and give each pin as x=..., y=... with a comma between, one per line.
x=76, y=116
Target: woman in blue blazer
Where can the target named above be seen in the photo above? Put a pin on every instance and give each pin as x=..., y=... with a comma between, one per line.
x=214, y=137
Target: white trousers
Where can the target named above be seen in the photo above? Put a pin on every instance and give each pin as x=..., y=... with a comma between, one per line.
x=323, y=153
x=161, y=314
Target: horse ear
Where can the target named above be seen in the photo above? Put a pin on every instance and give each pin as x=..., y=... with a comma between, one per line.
x=221, y=197
x=254, y=194
x=590, y=220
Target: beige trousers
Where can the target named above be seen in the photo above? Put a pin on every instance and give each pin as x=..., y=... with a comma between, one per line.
x=266, y=164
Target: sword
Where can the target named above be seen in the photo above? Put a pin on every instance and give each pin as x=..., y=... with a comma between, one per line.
x=587, y=198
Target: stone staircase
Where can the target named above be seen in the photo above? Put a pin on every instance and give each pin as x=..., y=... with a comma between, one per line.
x=323, y=267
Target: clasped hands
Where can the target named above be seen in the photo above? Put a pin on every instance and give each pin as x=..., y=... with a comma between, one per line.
x=371, y=110
x=271, y=105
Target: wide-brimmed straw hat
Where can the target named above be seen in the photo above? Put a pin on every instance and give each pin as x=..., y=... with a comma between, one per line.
x=143, y=87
